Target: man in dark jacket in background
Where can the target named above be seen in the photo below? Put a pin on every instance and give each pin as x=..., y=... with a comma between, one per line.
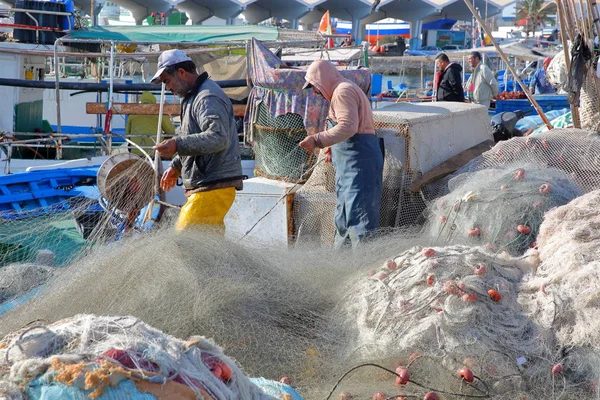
x=449, y=84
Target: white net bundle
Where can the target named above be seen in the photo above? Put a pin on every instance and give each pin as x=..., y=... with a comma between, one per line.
x=123, y=357
x=449, y=307
x=500, y=207
x=565, y=286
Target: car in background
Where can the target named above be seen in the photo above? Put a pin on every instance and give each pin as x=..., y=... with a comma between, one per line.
x=424, y=51
x=452, y=47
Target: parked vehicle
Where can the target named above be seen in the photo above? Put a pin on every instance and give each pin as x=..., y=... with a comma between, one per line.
x=451, y=47
x=424, y=51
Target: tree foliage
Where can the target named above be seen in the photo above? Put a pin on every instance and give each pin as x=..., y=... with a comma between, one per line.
x=535, y=15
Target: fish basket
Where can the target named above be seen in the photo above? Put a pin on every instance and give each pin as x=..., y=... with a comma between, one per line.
x=277, y=154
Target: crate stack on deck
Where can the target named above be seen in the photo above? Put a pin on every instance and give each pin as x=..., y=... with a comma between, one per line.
x=49, y=27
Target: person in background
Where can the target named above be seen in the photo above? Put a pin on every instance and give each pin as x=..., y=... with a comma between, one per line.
x=449, y=85
x=482, y=86
x=146, y=126
x=347, y=41
x=539, y=83
x=400, y=45
x=355, y=151
x=206, y=148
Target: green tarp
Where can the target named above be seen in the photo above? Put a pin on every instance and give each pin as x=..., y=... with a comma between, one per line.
x=179, y=33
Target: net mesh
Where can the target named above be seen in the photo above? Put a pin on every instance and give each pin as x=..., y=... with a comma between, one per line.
x=276, y=151
x=59, y=233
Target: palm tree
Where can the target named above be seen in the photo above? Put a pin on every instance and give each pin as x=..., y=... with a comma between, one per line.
x=533, y=14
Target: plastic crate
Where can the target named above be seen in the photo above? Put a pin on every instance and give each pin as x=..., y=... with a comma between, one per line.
x=546, y=101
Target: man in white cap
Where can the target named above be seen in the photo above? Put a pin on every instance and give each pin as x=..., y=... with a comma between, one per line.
x=206, y=147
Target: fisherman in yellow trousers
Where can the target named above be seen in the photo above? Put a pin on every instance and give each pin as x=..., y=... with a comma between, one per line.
x=205, y=149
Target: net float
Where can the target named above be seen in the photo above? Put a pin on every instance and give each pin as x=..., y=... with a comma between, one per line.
x=430, y=279
x=431, y=396
x=480, y=269
x=545, y=188
x=474, y=232
x=557, y=369
x=494, y=295
x=524, y=229
x=286, y=380
x=519, y=174
x=469, y=297
x=428, y=252
x=391, y=265
x=403, y=376
x=450, y=287
x=466, y=374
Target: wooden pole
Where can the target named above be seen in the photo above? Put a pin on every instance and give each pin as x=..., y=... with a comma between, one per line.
x=560, y=8
x=512, y=71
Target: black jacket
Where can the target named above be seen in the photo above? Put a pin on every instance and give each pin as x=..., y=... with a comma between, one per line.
x=450, y=85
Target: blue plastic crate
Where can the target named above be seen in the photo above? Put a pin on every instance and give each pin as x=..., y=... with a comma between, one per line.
x=546, y=101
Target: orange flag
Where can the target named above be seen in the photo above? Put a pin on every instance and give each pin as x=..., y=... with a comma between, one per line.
x=325, y=27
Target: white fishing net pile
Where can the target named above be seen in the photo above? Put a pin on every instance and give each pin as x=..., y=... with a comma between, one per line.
x=566, y=284
x=80, y=352
x=500, y=207
x=434, y=302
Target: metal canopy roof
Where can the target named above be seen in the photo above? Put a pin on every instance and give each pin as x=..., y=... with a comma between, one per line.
x=201, y=10
x=260, y=10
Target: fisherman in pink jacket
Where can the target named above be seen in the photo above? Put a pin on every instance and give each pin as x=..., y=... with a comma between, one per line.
x=357, y=156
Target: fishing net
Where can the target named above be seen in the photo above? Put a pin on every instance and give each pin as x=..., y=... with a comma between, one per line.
x=415, y=142
x=53, y=231
x=89, y=356
x=276, y=151
x=470, y=213
x=564, y=286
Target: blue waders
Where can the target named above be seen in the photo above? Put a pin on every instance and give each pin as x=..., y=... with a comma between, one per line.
x=358, y=163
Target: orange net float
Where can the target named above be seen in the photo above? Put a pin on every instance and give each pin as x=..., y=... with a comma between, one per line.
x=494, y=295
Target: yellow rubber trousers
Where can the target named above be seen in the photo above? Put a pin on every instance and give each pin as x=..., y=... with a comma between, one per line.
x=206, y=209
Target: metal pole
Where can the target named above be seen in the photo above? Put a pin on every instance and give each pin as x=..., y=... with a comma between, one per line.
x=111, y=74
x=505, y=59
x=156, y=156
x=57, y=95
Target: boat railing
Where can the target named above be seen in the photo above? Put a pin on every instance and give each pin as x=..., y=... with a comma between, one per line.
x=62, y=141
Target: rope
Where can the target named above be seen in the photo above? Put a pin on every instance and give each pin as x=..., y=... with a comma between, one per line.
x=486, y=395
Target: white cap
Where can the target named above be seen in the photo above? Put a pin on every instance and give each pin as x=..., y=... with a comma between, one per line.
x=168, y=58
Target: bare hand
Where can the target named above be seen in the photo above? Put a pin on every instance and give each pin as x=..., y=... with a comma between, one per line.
x=169, y=179
x=166, y=148
x=327, y=152
x=309, y=144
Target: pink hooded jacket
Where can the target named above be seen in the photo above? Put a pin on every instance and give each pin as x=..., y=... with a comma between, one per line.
x=349, y=106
